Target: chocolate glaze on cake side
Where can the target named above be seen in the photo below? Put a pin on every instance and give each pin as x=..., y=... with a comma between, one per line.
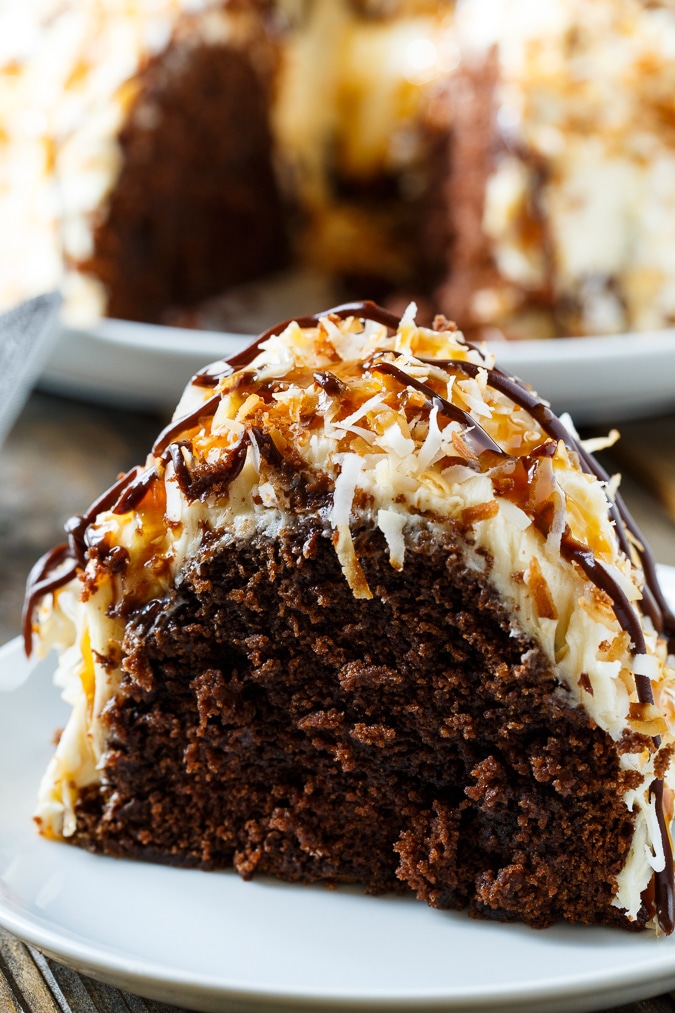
x=466, y=670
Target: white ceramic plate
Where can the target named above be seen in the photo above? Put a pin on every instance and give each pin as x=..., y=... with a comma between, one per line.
x=211, y=941
x=604, y=380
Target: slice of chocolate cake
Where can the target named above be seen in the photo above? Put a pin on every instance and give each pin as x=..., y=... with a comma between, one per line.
x=368, y=613
x=195, y=207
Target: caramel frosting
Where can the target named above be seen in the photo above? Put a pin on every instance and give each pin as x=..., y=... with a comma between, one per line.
x=401, y=426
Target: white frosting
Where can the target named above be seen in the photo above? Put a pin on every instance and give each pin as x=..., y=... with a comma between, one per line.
x=584, y=89
x=390, y=449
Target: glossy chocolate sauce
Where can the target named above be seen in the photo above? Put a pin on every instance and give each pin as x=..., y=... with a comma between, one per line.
x=366, y=310
x=42, y=580
x=76, y=527
x=189, y=421
x=475, y=434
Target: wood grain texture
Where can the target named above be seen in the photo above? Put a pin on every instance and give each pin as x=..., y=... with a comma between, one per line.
x=33, y=983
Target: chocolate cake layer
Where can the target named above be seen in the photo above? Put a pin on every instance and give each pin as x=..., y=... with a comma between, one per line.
x=197, y=207
x=271, y=722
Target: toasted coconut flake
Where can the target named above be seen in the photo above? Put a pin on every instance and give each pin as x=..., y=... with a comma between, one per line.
x=647, y=719
x=395, y=440
x=432, y=446
x=276, y=357
x=480, y=512
x=365, y=434
x=248, y=406
x=655, y=854
x=391, y=523
x=513, y=514
x=345, y=487
x=647, y=664
x=223, y=423
x=612, y=486
x=347, y=344
x=472, y=396
x=601, y=442
x=543, y=600
x=456, y=474
x=351, y=568
x=408, y=318
x=568, y=423
x=462, y=448
x=368, y=406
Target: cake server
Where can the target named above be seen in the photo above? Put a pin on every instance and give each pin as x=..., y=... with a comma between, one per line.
x=26, y=335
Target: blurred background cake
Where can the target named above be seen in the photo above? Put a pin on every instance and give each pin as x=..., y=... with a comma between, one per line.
x=562, y=183
x=154, y=155
x=505, y=161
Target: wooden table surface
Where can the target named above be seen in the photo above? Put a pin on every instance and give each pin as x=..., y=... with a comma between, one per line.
x=60, y=455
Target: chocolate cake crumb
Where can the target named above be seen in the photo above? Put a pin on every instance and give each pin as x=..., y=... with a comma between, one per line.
x=271, y=722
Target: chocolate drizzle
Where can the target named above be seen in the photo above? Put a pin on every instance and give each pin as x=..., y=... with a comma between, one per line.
x=366, y=310
x=42, y=581
x=189, y=421
x=663, y=903
x=475, y=433
x=266, y=446
x=76, y=527
x=598, y=574
x=135, y=491
x=181, y=470
x=130, y=489
x=330, y=383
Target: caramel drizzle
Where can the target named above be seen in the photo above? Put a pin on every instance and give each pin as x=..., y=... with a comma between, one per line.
x=131, y=488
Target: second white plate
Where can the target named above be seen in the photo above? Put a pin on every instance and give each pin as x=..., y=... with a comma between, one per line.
x=603, y=380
